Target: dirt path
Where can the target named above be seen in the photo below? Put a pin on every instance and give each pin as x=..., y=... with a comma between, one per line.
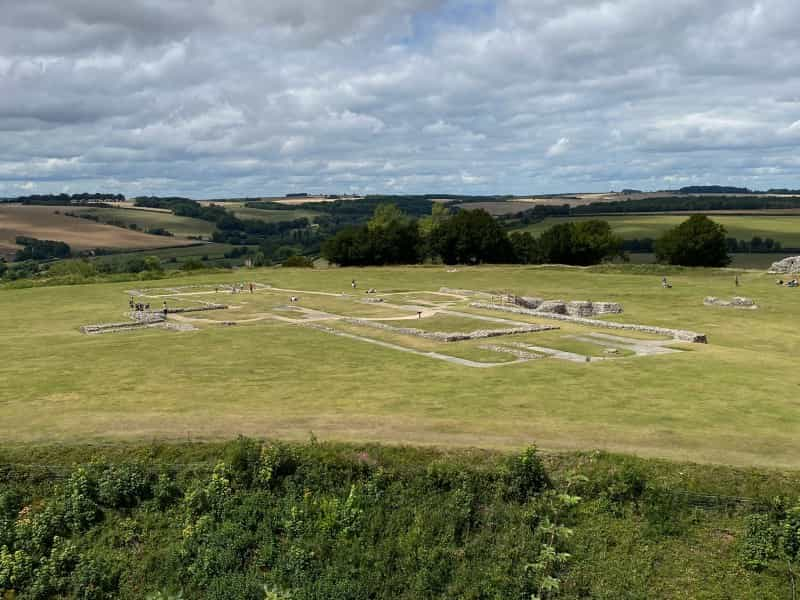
x=639, y=347
x=450, y=359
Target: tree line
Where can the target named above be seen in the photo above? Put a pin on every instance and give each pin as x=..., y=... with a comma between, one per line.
x=466, y=237
x=67, y=199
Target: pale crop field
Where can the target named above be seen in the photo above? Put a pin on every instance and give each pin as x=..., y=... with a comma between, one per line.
x=151, y=219
x=735, y=400
x=43, y=222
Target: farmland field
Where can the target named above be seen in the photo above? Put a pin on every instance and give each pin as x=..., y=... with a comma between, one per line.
x=43, y=223
x=272, y=216
x=739, y=260
x=784, y=228
x=288, y=367
x=149, y=219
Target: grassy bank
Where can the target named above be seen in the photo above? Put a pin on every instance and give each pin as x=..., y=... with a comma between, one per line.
x=365, y=521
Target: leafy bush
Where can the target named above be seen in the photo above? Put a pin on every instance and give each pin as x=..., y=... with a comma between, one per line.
x=525, y=475
x=80, y=509
x=123, y=486
x=95, y=579
x=665, y=513
x=278, y=460
x=758, y=546
x=244, y=459
x=299, y=261
x=192, y=264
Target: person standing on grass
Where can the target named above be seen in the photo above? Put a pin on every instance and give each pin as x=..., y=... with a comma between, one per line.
x=737, y=280
x=353, y=284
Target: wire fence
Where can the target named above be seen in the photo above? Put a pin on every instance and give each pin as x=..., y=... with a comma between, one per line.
x=58, y=472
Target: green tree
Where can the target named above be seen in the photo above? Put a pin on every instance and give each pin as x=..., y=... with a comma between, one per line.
x=526, y=248
x=470, y=237
x=439, y=214
x=697, y=242
x=153, y=263
x=389, y=238
x=386, y=216
x=556, y=244
x=594, y=242
x=582, y=243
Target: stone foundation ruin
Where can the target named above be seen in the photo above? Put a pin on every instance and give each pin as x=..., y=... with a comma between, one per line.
x=575, y=308
x=735, y=302
x=441, y=336
x=140, y=319
x=787, y=266
x=678, y=334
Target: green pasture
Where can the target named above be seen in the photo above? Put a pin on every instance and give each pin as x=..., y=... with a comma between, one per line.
x=783, y=228
x=734, y=400
x=272, y=216
x=213, y=252
x=146, y=219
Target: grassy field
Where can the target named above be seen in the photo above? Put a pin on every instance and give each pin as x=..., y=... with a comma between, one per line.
x=272, y=216
x=783, y=228
x=739, y=260
x=732, y=401
x=44, y=223
x=145, y=219
x=213, y=251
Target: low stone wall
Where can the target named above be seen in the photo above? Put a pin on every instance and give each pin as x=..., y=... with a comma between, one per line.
x=187, y=309
x=576, y=308
x=529, y=302
x=788, y=266
x=146, y=316
x=735, y=302
x=523, y=354
x=678, y=334
x=113, y=327
x=442, y=336
x=459, y=292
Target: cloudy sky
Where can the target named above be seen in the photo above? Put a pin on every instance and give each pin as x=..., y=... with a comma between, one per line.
x=213, y=98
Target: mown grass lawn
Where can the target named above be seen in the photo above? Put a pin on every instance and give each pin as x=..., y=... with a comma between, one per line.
x=735, y=400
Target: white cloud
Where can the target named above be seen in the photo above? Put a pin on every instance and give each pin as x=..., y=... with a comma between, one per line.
x=248, y=98
x=559, y=148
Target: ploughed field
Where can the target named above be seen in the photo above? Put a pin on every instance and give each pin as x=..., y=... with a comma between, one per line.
x=305, y=352
x=49, y=223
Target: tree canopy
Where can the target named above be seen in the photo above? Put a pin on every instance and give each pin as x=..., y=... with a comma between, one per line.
x=697, y=242
x=466, y=237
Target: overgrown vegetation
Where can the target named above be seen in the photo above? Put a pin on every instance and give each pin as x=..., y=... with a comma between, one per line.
x=273, y=520
x=34, y=249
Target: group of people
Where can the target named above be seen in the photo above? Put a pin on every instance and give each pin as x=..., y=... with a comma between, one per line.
x=145, y=306
x=792, y=283
x=138, y=306
x=238, y=288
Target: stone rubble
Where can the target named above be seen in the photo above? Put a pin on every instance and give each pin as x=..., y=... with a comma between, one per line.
x=442, y=336
x=513, y=351
x=678, y=334
x=735, y=302
x=788, y=266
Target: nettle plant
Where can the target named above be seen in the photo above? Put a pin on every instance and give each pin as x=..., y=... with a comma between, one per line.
x=772, y=541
